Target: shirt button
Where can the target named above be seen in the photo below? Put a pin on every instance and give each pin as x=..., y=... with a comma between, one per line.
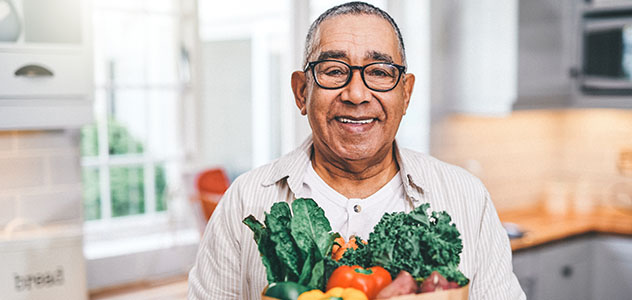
x=357, y=208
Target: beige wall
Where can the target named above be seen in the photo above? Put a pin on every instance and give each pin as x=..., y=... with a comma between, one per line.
x=530, y=155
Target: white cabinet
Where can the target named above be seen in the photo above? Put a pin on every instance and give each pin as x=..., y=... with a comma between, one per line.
x=556, y=272
x=564, y=271
x=547, y=53
x=612, y=268
x=592, y=267
x=493, y=57
x=524, y=264
x=46, y=71
x=474, y=56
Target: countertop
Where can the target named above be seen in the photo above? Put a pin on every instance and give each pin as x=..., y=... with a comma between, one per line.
x=541, y=227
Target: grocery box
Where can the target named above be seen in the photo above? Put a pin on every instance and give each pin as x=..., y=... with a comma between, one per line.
x=461, y=293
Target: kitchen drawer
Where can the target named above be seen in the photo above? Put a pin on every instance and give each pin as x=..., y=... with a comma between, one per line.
x=67, y=77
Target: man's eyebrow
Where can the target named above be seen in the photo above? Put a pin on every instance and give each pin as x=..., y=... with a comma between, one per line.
x=371, y=55
x=378, y=56
x=332, y=54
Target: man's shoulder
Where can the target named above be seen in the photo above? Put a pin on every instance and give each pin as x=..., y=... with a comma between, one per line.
x=434, y=170
x=271, y=172
x=257, y=176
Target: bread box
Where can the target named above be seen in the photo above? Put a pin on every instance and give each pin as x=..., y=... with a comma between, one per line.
x=42, y=263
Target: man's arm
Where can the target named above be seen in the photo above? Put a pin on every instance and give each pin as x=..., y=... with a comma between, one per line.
x=494, y=277
x=216, y=273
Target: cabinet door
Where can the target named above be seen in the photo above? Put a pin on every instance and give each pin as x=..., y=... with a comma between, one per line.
x=525, y=268
x=564, y=271
x=612, y=277
x=475, y=56
x=547, y=48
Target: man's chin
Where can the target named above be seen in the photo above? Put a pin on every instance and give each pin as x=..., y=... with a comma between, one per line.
x=357, y=154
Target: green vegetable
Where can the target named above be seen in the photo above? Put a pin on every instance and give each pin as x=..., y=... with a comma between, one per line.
x=294, y=247
x=415, y=242
x=286, y=290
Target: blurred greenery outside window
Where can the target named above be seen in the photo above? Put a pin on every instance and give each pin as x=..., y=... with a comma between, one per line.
x=127, y=184
x=131, y=149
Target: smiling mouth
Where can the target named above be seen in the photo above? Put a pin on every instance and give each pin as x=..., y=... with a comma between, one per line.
x=354, y=121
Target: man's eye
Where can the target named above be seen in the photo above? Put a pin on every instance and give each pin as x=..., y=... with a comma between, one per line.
x=335, y=72
x=380, y=73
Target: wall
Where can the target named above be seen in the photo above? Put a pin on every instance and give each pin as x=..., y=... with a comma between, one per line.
x=225, y=116
x=528, y=155
x=40, y=176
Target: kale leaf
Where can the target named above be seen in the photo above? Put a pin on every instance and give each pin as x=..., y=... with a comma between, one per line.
x=416, y=242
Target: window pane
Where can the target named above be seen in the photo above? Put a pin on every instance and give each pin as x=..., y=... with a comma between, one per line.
x=318, y=7
x=162, y=49
x=164, y=122
x=89, y=140
x=127, y=191
x=127, y=123
x=118, y=4
x=91, y=194
x=161, y=6
x=119, y=41
x=161, y=187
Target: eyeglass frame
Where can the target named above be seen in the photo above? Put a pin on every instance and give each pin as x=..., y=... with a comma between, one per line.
x=400, y=68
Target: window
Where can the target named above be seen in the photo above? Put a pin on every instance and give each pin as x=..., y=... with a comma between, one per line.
x=132, y=153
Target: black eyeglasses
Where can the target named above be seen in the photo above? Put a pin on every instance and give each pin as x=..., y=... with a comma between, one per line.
x=335, y=74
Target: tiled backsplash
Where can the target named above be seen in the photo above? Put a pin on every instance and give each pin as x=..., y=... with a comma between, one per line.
x=40, y=176
x=523, y=157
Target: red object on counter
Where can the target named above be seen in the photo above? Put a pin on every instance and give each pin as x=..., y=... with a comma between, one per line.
x=211, y=185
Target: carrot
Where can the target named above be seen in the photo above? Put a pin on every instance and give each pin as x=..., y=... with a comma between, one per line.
x=338, y=251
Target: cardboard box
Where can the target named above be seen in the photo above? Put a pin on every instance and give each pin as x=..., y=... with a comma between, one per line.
x=461, y=293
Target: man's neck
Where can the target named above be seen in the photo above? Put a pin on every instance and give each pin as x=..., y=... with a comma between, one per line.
x=357, y=179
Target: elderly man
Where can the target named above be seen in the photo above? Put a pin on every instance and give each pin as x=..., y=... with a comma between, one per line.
x=354, y=91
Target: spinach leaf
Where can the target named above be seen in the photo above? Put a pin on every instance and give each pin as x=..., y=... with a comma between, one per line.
x=274, y=271
x=295, y=245
x=278, y=221
x=311, y=231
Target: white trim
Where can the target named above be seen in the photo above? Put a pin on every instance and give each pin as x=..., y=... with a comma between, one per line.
x=260, y=112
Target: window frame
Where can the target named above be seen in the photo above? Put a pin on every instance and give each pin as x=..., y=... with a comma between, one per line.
x=151, y=220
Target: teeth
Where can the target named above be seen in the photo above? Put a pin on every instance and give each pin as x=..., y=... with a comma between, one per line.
x=345, y=120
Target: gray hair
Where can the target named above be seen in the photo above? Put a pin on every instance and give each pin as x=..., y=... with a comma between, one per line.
x=350, y=8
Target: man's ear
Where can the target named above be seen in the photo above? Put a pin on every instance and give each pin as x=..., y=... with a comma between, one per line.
x=409, y=82
x=299, y=88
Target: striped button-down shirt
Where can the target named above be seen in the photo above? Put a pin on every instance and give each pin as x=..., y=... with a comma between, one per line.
x=228, y=264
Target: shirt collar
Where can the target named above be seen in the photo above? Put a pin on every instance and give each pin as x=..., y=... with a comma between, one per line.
x=292, y=167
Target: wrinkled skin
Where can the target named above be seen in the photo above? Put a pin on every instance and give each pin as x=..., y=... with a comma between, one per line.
x=355, y=159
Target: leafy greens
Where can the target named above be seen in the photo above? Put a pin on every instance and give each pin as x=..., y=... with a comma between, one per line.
x=415, y=242
x=294, y=247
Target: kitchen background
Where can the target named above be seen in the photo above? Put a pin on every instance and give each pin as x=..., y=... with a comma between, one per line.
x=111, y=110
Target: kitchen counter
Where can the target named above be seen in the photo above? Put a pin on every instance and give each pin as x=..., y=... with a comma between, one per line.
x=541, y=227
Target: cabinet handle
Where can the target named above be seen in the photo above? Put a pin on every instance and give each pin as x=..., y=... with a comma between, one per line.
x=567, y=271
x=33, y=71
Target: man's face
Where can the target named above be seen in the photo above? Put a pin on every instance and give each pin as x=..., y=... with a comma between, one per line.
x=353, y=122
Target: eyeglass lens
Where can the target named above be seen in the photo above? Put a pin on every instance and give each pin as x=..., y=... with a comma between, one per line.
x=333, y=74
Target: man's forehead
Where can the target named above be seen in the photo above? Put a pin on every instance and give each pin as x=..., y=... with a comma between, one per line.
x=367, y=37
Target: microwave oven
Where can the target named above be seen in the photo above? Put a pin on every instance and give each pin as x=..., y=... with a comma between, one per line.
x=607, y=52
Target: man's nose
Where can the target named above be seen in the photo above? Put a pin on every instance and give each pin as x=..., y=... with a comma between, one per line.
x=356, y=91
